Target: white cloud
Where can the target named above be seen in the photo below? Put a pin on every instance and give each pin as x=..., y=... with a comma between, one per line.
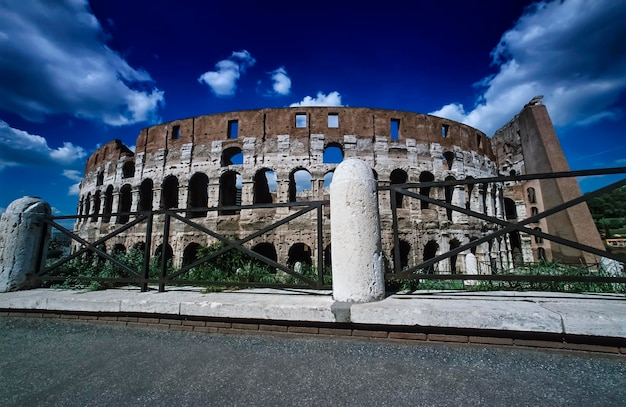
x=332, y=99
x=570, y=51
x=55, y=60
x=223, y=81
x=73, y=175
x=281, y=83
x=18, y=147
x=74, y=189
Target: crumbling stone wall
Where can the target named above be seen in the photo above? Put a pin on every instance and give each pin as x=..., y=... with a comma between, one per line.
x=227, y=158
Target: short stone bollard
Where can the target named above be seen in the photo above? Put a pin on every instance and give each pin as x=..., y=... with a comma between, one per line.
x=21, y=233
x=471, y=268
x=357, y=256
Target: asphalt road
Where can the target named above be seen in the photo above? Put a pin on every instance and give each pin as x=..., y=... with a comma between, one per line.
x=56, y=363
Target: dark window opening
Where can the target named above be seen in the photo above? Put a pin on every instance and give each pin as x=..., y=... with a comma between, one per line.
x=510, y=210
x=484, y=197
x=118, y=249
x=395, y=129
x=175, y=132
x=405, y=249
x=445, y=128
x=128, y=170
x=299, y=181
x=96, y=206
x=538, y=239
x=100, y=179
x=328, y=258
x=169, y=193
x=449, y=157
x=190, y=254
x=300, y=120
x=430, y=251
x=233, y=128
x=333, y=120
x=264, y=184
x=124, y=204
x=469, y=189
x=301, y=253
x=454, y=243
x=541, y=254
x=232, y=156
x=140, y=247
x=198, y=195
x=425, y=177
x=534, y=211
x=532, y=198
x=479, y=141
x=516, y=248
x=88, y=205
x=398, y=176
x=333, y=154
x=449, y=192
x=230, y=192
x=108, y=204
x=145, y=195
x=169, y=253
x=267, y=250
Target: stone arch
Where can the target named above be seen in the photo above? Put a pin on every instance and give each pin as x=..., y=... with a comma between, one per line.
x=169, y=253
x=328, y=179
x=262, y=191
x=198, y=195
x=190, y=254
x=108, y=204
x=299, y=252
x=449, y=157
x=333, y=153
x=118, y=249
x=449, y=194
x=398, y=176
x=405, y=249
x=125, y=203
x=145, y=195
x=299, y=180
x=96, y=206
x=454, y=243
x=266, y=249
x=230, y=191
x=169, y=193
x=231, y=156
x=425, y=176
x=510, y=210
x=128, y=169
x=430, y=251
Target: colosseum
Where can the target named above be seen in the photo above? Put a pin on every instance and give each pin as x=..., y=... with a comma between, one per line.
x=216, y=163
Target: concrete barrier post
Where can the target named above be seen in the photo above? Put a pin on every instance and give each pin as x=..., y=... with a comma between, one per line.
x=21, y=233
x=357, y=257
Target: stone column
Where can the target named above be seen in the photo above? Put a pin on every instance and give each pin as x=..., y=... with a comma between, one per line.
x=22, y=232
x=357, y=256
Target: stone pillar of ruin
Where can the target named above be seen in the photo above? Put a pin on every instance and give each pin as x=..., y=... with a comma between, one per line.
x=357, y=257
x=22, y=233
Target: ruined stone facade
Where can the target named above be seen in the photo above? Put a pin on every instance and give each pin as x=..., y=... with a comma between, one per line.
x=288, y=155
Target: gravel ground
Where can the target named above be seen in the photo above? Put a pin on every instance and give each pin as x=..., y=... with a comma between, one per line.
x=57, y=363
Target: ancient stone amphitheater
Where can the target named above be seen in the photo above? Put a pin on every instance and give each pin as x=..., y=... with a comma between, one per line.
x=288, y=155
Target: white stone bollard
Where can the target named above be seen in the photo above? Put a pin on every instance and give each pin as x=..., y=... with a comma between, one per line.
x=357, y=256
x=21, y=232
x=471, y=267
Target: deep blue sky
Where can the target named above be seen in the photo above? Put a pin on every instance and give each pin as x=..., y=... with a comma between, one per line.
x=76, y=74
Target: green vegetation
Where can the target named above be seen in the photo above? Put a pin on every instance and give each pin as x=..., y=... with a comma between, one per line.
x=609, y=212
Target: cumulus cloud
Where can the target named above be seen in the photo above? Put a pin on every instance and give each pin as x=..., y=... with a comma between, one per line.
x=281, y=83
x=223, y=81
x=18, y=148
x=55, y=60
x=572, y=51
x=332, y=99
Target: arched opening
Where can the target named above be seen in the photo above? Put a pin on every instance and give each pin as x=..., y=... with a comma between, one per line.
x=469, y=190
x=96, y=206
x=125, y=203
x=128, y=170
x=398, y=176
x=108, y=204
x=516, y=248
x=449, y=157
x=118, y=249
x=88, y=205
x=145, y=195
x=430, y=251
x=232, y=156
x=541, y=254
x=264, y=185
x=299, y=252
x=299, y=180
x=532, y=198
x=405, y=249
x=169, y=193
x=139, y=247
x=265, y=249
x=198, y=195
x=169, y=253
x=190, y=254
x=534, y=211
x=449, y=192
x=454, y=243
x=425, y=177
x=230, y=192
x=100, y=179
x=510, y=209
x=333, y=154
x=538, y=239
x=328, y=260
x=328, y=179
